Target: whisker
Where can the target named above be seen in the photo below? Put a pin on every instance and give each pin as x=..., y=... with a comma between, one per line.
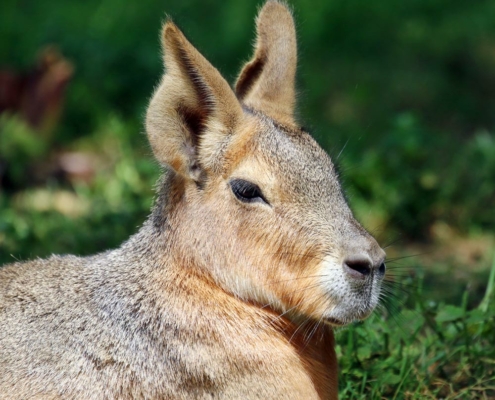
x=399, y=272
x=347, y=141
x=299, y=327
x=298, y=291
x=389, y=244
x=397, y=265
x=399, y=287
x=295, y=279
x=302, y=255
x=404, y=257
x=312, y=332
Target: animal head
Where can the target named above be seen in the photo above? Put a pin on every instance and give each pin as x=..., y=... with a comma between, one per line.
x=252, y=199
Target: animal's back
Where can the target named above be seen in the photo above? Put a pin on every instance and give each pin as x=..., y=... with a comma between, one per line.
x=42, y=304
x=56, y=333
x=71, y=328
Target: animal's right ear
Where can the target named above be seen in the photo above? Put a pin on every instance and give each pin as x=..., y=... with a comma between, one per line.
x=267, y=82
x=192, y=101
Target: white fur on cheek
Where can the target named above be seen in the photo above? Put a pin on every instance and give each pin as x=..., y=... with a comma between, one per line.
x=333, y=280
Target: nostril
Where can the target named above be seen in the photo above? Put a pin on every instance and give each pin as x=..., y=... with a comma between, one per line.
x=381, y=269
x=358, y=267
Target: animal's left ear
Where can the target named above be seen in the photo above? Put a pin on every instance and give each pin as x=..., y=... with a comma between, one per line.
x=193, y=111
x=267, y=82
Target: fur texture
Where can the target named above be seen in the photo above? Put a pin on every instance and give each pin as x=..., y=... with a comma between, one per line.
x=220, y=294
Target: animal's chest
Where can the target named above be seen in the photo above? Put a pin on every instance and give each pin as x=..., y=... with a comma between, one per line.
x=240, y=367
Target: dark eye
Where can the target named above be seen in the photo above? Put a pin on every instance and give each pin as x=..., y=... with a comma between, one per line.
x=247, y=192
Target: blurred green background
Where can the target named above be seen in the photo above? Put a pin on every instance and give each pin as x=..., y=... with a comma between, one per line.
x=401, y=94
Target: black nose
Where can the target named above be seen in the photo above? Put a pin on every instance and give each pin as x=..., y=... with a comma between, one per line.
x=358, y=267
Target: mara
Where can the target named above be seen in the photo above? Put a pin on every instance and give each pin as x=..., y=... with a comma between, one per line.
x=233, y=285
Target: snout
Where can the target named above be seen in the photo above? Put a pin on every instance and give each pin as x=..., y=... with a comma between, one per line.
x=353, y=280
x=364, y=259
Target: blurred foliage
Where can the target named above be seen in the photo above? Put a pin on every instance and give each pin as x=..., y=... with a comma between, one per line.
x=416, y=177
x=19, y=146
x=88, y=216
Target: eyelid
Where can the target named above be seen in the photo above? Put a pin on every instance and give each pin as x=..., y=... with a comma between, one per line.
x=238, y=184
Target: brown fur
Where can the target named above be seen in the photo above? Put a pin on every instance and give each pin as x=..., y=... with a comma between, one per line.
x=215, y=296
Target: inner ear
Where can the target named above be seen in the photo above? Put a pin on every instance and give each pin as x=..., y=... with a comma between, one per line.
x=249, y=75
x=195, y=122
x=195, y=119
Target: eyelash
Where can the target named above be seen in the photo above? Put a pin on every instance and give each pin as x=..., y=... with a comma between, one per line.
x=247, y=192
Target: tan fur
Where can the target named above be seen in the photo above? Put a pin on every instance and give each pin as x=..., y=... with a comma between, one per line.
x=267, y=82
x=215, y=296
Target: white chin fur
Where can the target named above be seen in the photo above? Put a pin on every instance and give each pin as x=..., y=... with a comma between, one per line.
x=351, y=300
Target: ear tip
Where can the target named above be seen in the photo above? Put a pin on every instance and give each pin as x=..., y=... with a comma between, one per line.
x=275, y=16
x=275, y=7
x=169, y=28
x=172, y=36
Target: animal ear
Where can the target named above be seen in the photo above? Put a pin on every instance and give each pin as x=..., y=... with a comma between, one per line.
x=191, y=102
x=267, y=82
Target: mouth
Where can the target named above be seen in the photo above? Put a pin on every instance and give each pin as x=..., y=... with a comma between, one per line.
x=346, y=317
